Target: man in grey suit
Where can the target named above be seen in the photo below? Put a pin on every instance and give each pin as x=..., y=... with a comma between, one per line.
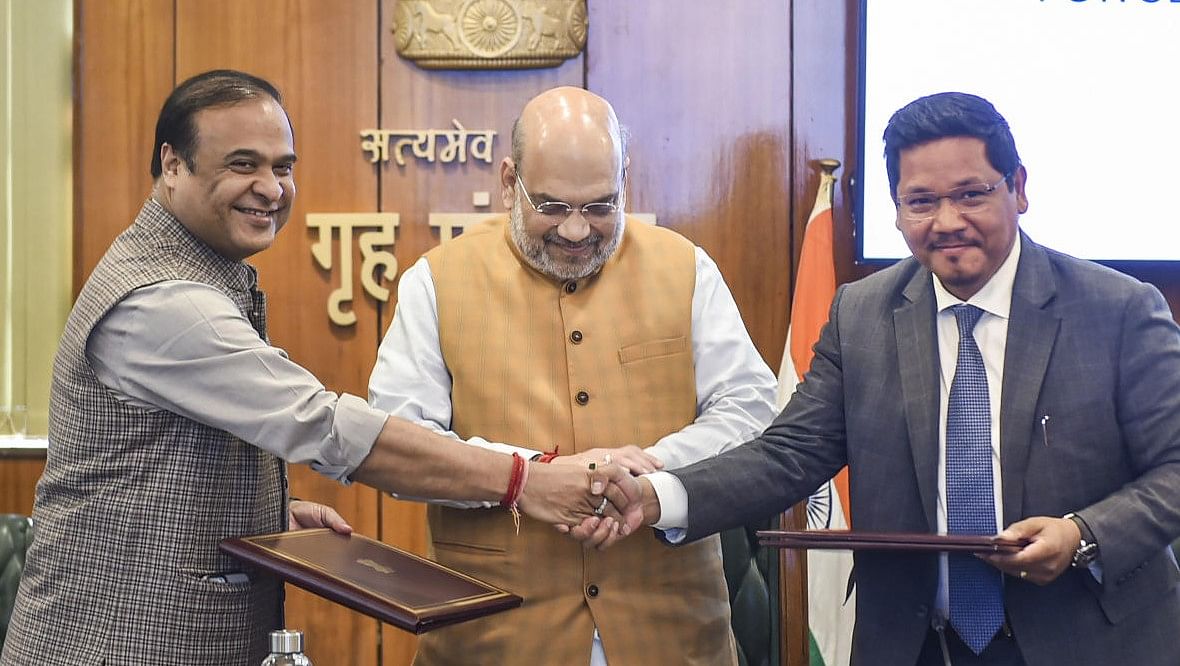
x=1076, y=403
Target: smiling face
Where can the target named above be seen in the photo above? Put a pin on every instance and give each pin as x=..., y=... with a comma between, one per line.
x=571, y=152
x=963, y=249
x=238, y=193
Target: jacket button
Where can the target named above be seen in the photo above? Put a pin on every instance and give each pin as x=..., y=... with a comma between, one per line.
x=592, y=590
x=582, y=397
x=571, y=286
x=576, y=337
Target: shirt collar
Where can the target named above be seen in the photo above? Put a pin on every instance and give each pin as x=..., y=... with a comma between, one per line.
x=995, y=297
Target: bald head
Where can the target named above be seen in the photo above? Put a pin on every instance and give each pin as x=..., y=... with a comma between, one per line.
x=564, y=183
x=570, y=124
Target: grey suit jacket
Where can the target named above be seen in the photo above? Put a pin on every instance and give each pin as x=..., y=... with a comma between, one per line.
x=1096, y=351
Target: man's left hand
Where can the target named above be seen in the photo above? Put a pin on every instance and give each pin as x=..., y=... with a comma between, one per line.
x=304, y=515
x=631, y=458
x=1052, y=542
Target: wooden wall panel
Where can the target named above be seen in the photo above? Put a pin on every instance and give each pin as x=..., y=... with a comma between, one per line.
x=823, y=106
x=711, y=137
x=123, y=71
x=712, y=157
x=416, y=98
x=18, y=481
x=322, y=56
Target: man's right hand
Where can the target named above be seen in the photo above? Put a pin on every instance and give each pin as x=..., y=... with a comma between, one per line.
x=567, y=495
x=641, y=507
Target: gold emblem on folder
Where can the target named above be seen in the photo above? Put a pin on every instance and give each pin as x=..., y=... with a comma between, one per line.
x=375, y=566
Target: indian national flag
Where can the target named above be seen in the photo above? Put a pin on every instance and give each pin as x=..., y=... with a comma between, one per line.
x=831, y=605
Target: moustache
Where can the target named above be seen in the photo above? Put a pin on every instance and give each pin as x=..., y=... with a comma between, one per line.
x=552, y=236
x=951, y=240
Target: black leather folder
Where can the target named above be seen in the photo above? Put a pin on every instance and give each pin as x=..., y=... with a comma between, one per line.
x=854, y=540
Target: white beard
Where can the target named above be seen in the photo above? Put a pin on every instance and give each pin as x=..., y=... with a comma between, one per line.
x=536, y=251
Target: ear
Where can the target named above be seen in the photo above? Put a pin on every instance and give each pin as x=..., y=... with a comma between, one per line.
x=1018, y=181
x=508, y=182
x=170, y=164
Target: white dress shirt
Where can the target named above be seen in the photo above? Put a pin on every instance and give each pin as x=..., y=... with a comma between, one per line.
x=184, y=347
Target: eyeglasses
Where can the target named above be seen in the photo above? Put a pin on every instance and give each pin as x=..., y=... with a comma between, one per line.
x=973, y=198
x=560, y=210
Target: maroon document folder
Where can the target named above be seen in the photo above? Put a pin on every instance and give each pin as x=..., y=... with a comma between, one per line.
x=853, y=540
x=373, y=578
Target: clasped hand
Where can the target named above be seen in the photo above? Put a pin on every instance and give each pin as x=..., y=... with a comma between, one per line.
x=594, y=495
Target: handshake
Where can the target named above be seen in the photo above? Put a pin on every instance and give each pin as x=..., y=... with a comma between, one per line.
x=596, y=496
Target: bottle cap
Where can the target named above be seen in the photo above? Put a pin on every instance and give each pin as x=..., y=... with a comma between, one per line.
x=286, y=641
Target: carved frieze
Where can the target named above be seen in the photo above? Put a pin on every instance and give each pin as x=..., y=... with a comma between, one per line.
x=489, y=34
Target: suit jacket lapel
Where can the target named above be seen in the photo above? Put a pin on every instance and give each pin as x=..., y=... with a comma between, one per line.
x=1032, y=331
x=913, y=325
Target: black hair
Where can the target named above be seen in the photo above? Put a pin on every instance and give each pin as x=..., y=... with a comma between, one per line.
x=219, y=87
x=949, y=114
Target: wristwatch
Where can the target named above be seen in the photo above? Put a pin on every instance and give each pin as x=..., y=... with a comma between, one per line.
x=1087, y=550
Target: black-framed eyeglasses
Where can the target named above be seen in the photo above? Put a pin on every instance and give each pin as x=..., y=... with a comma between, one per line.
x=973, y=198
x=558, y=211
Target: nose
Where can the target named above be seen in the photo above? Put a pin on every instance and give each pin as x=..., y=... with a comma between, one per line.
x=268, y=185
x=574, y=228
x=946, y=216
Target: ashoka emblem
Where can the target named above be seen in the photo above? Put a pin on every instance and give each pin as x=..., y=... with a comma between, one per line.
x=578, y=22
x=489, y=27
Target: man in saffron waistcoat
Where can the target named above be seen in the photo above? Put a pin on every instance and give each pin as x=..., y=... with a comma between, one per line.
x=568, y=328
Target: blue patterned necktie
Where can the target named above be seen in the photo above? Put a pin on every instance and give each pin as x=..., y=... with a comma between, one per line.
x=976, y=593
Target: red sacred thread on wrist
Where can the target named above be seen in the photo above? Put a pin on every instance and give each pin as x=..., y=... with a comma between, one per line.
x=520, y=475
x=548, y=456
x=514, y=482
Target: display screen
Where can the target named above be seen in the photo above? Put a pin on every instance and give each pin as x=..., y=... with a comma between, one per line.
x=1090, y=89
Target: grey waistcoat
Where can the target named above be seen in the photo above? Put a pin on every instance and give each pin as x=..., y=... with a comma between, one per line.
x=133, y=502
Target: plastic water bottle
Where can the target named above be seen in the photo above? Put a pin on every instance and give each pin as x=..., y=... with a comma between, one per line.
x=286, y=649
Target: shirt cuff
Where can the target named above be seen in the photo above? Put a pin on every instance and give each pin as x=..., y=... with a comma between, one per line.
x=1096, y=571
x=355, y=427
x=673, y=499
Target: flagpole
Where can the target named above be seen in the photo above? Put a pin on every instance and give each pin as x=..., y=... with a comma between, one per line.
x=794, y=639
